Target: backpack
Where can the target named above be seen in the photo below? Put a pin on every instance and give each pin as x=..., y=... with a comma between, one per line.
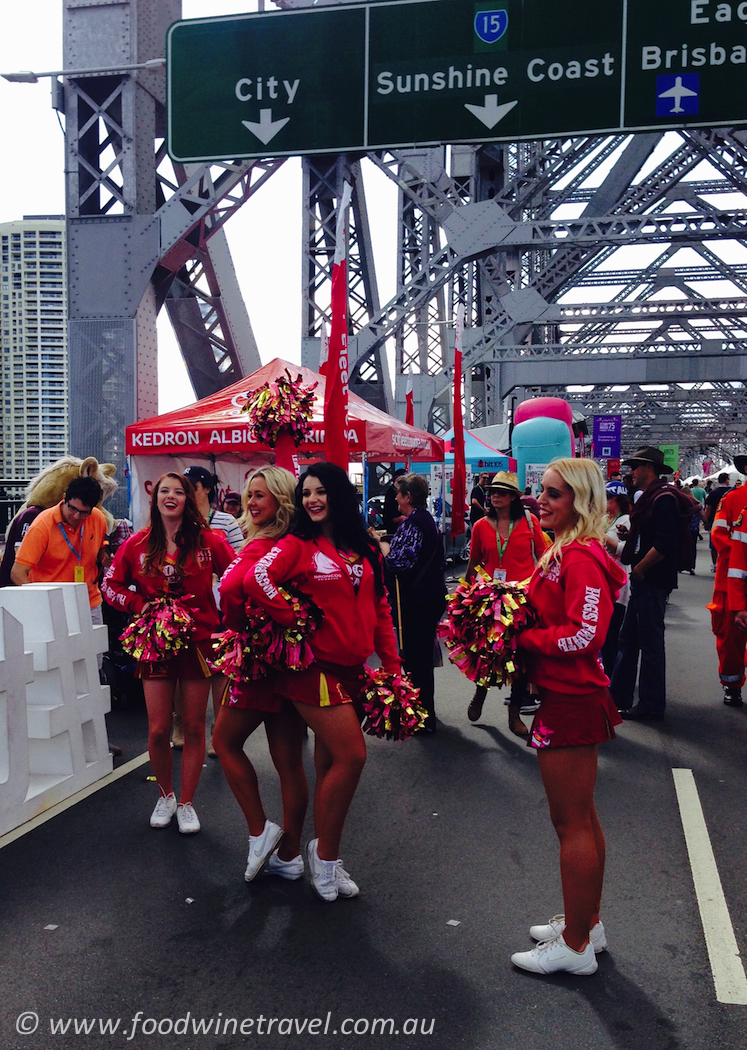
x=687, y=507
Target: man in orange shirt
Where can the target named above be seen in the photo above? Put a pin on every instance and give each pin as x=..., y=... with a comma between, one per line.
x=65, y=544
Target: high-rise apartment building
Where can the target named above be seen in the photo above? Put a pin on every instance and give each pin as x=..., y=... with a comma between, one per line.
x=33, y=408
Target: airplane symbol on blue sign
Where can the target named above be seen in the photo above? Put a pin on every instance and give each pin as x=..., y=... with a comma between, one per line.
x=677, y=94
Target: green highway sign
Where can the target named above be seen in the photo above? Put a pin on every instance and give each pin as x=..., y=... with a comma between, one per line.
x=420, y=72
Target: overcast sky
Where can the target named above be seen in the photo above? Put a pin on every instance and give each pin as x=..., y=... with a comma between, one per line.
x=264, y=236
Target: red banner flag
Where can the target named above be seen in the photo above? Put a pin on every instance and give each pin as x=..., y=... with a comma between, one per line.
x=409, y=403
x=459, y=481
x=336, y=449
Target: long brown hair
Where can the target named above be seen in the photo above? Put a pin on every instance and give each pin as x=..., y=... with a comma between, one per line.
x=348, y=528
x=188, y=539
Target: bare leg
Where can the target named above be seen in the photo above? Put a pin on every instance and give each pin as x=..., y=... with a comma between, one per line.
x=285, y=736
x=569, y=774
x=232, y=728
x=601, y=857
x=322, y=766
x=342, y=758
x=194, y=704
x=159, y=701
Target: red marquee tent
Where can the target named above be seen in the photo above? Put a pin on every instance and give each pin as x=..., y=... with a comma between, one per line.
x=216, y=427
x=214, y=433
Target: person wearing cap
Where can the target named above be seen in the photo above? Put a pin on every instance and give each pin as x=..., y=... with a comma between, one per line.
x=204, y=484
x=729, y=541
x=652, y=550
x=231, y=504
x=618, y=521
x=507, y=544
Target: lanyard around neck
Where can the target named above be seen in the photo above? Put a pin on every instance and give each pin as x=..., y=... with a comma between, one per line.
x=500, y=542
x=78, y=554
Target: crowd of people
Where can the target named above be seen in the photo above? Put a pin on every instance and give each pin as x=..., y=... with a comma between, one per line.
x=599, y=560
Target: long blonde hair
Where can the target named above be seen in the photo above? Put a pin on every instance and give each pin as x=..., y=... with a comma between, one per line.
x=584, y=478
x=282, y=485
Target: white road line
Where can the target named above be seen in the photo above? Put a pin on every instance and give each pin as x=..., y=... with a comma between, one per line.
x=53, y=811
x=723, y=952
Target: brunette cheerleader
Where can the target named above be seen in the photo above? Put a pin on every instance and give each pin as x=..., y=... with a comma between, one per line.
x=331, y=557
x=175, y=555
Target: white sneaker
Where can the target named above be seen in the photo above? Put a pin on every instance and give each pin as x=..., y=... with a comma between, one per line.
x=164, y=811
x=186, y=818
x=556, y=957
x=260, y=848
x=286, y=869
x=345, y=885
x=549, y=930
x=323, y=873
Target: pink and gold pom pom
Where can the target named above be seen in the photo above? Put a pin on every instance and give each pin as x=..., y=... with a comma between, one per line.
x=392, y=706
x=265, y=646
x=284, y=406
x=483, y=622
x=159, y=631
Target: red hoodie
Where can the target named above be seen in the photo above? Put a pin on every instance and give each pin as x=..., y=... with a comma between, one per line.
x=194, y=590
x=573, y=600
x=233, y=602
x=233, y=592
x=354, y=625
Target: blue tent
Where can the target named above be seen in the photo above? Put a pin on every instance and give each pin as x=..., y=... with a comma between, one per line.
x=477, y=454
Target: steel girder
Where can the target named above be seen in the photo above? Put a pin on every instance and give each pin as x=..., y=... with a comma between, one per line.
x=323, y=178
x=544, y=189
x=591, y=241
x=702, y=418
x=140, y=231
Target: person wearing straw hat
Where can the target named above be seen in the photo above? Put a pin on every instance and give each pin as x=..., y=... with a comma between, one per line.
x=506, y=544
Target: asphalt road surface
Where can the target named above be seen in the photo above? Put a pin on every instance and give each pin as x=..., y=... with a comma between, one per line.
x=115, y=935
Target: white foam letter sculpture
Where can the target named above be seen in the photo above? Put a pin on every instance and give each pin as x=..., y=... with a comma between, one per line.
x=16, y=671
x=66, y=747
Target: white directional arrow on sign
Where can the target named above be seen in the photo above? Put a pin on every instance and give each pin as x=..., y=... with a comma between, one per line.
x=491, y=112
x=267, y=128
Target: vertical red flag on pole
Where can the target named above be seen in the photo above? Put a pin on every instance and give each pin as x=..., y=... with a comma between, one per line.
x=459, y=482
x=336, y=449
x=409, y=403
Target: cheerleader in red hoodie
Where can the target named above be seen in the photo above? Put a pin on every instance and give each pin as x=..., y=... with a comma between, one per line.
x=573, y=591
x=269, y=510
x=176, y=554
x=332, y=559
